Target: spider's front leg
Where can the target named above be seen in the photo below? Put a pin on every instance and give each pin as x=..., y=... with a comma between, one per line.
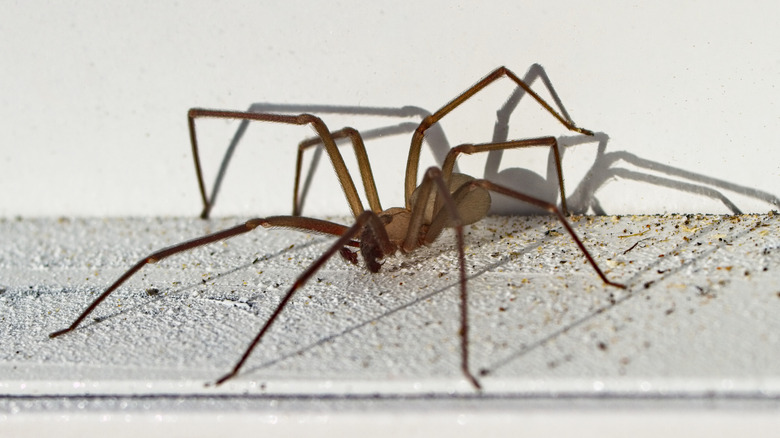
x=367, y=220
x=301, y=223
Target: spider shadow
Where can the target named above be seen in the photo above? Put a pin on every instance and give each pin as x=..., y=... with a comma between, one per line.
x=582, y=199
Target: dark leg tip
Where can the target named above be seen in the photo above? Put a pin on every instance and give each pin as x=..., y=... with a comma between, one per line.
x=473, y=380
x=58, y=333
x=224, y=378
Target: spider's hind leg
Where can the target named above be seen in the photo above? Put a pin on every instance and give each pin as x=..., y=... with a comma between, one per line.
x=551, y=208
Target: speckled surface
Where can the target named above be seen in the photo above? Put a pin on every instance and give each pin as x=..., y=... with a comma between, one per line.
x=699, y=316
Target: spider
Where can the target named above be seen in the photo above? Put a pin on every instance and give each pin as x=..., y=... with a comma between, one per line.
x=443, y=199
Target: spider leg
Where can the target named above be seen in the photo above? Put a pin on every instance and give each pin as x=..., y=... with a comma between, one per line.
x=303, y=119
x=550, y=208
x=414, y=151
x=366, y=219
x=449, y=162
x=434, y=180
x=450, y=217
x=363, y=164
x=315, y=225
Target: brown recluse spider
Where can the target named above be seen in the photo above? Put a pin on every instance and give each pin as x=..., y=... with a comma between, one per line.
x=443, y=200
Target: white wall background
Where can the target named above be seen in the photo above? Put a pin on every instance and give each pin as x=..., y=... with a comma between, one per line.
x=94, y=96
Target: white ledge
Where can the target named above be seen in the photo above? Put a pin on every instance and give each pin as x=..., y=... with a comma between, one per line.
x=698, y=320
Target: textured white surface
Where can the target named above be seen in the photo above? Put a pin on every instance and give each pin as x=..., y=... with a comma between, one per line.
x=699, y=316
x=695, y=333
